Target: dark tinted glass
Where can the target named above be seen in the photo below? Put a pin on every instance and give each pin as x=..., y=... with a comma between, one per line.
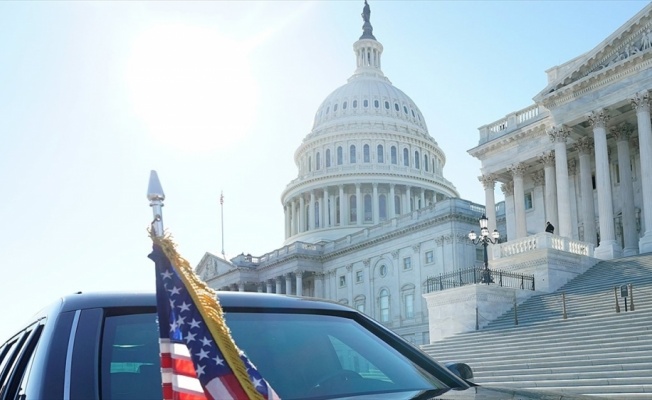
x=130, y=358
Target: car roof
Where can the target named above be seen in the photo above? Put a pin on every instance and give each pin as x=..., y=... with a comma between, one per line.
x=82, y=300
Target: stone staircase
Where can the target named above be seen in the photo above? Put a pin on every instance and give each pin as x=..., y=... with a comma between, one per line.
x=595, y=351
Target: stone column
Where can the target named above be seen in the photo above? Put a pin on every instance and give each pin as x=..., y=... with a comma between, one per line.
x=408, y=202
x=519, y=199
x=559, y=135
x=392, y=201
x=324, y=209
x=585, y=147
x=572, y=190
x=302, y=214
x=293, y=217
x=299, y=281
x=342, y=207
x=622, y=133
x=269, y=286
x=319, y=285
x=358, y=205
x=260, y=287
x=241, y=287
x=286, y=213
x=510, y=223
x=538, y=197
x=608, y=248
x=288, y=283
x=489, y=181
x=311, y=212
x=423, y=198
x=332, y=208
x=548, y=160
x=641, y=103
x=375, y=204
x=278, y=285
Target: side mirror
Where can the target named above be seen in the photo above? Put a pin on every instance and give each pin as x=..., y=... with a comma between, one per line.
x=462, y=370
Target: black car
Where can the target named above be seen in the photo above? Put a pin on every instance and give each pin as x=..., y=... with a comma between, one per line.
x=105, y=346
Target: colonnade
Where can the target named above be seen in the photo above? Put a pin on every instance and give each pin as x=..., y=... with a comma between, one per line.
x=557, y=196
x=334, y=206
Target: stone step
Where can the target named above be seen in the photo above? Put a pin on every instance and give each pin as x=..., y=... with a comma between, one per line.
x=509, y=370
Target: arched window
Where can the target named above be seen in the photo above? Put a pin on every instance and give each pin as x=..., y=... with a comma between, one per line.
x=416, y=159
x=395, y=106
x=393, y=155
x=382, y=207
x=376, y=103
x=425, y=162
x=365, y=152
x=381, y=155
x=352, y=154
x=365, y=103
x=353, y=209
x=406, y=157
x=368, y=217
x=397, y=205
x=345, y=104
x=328, y=158
x=318, y=161
x=355, y=103
x=340, y=157
x=387, y=105
x=383, y=302
x=335, y=108
x=309, y=163
x=316, y=214
x=337, y=210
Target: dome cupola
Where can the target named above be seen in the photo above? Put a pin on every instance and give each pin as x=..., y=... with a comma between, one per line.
x=368, y=158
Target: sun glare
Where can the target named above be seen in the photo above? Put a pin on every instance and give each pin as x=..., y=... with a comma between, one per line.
x=192, y=87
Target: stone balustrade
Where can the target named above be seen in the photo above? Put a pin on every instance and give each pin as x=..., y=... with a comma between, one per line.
x=542, y=241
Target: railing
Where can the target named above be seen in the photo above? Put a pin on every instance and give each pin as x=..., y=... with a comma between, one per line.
x=543, y=241
x=473, y=276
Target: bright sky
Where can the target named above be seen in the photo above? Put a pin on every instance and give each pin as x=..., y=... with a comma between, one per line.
x=216, y=96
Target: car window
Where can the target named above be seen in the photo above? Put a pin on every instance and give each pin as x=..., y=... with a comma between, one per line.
x=16, y=358
x=305, y=356
x=130, y=358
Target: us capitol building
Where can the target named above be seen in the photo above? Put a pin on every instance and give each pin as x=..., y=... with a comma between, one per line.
x=370, y=216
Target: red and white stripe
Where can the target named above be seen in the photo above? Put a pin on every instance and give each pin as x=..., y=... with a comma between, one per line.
x=178, y=373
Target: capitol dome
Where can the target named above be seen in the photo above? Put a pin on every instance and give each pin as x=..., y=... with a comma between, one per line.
x=368, y=159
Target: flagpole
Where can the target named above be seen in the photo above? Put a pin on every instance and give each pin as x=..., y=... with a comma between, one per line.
x=222, y=220
x=156, y=196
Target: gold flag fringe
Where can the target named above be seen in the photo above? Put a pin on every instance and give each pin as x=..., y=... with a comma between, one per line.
x=210, y=309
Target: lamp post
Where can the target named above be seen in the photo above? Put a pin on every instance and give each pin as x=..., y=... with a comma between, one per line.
x=485, y=240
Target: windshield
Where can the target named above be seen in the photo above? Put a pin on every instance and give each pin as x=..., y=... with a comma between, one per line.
x=308, y=356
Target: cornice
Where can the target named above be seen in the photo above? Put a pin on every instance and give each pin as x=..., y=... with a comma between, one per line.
x=521, y=135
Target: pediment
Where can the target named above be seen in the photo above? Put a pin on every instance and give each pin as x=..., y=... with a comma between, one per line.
x=631, y=41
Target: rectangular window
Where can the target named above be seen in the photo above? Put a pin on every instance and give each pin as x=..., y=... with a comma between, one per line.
x=430, y=257
x=342, y=280
x=358, y=276
x=407, y=263
x=528, y=200
x=409, y=305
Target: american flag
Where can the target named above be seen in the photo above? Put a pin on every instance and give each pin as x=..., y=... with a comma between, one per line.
x=199, y=360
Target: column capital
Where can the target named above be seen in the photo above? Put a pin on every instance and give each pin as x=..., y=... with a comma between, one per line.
x=349, y=267
x=395, y=254
x=548, y=159
x=488, y=180
x=559, y=134
x=641, y=101
x=599, y=118
x=507, y=188
x=622, y=132
x=298, y=273
x=517, y=170
x=539, y=178
x=416, y=247
x=366, y=262
x=585, y=145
